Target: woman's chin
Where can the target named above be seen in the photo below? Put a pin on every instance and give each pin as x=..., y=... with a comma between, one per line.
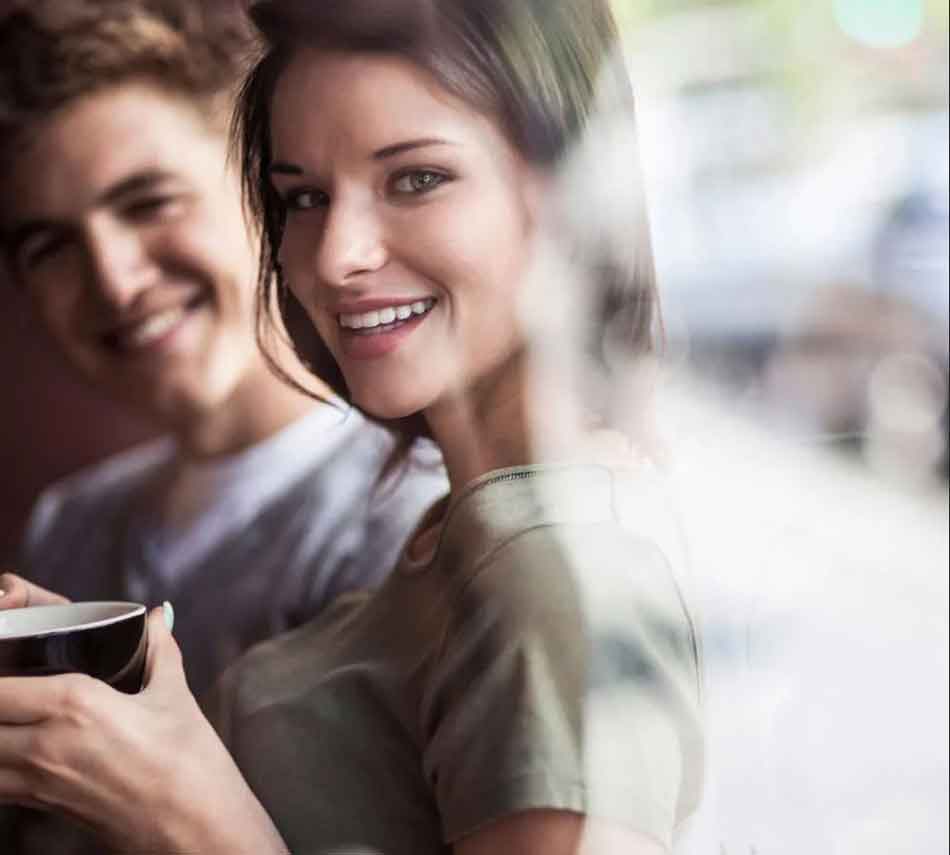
x=389, y=407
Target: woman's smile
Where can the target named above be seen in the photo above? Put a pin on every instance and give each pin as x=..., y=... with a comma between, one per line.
x=374, y=332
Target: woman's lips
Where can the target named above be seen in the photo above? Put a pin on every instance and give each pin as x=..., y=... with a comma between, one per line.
x=381, y=339
x=371, y=315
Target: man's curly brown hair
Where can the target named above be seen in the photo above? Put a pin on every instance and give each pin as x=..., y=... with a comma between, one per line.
x=53, y=52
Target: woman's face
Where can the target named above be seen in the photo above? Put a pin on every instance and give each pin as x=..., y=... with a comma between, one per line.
x=409, y=226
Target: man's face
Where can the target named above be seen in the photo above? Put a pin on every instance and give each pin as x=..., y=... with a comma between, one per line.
x=125, y=228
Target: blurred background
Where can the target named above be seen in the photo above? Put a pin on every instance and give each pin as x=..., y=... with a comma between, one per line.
x=796, y=162
x=50, y=423
x=797, y=156
x=797, y=171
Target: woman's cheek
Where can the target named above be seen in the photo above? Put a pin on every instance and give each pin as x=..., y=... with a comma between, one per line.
x=292, y=261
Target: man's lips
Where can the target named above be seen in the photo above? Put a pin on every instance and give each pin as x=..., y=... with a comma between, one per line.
x=150, y=328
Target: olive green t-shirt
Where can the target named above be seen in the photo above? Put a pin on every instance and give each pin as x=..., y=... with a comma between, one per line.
x=543, y=657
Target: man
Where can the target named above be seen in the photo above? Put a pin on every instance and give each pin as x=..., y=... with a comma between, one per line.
x=122, y=223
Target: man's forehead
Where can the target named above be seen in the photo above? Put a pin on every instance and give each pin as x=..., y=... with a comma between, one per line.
x=78, y=153
x=113, y=125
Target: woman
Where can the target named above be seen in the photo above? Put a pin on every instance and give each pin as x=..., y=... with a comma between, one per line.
x=527, y=679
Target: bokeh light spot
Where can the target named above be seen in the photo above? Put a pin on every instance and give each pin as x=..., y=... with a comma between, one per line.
x=880, y=23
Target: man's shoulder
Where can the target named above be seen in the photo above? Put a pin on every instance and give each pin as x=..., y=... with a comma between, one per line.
x=89, y=492
x=116, y=474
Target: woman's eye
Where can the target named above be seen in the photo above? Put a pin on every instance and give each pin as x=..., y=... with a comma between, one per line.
x=305, y=200
x=419, y=181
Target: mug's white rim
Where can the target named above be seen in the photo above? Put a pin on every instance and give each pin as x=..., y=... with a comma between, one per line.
x=48, y=620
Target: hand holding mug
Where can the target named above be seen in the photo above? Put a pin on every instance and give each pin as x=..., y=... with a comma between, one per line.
x=145, y=771
x=106, y=640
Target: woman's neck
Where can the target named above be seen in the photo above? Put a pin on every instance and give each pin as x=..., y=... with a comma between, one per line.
x=485, y=427
x=518, y=417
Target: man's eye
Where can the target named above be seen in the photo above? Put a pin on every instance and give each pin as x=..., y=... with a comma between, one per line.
x=40, y=248
x=419, y=181
x=305, y=200
x=152, y=208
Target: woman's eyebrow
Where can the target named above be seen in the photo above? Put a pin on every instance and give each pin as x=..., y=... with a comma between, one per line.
x=408, y=145
x=281, y=168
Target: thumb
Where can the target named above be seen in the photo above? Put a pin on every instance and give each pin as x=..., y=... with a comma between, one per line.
x=163, y=664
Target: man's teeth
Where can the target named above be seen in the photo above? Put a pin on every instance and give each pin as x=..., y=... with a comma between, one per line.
x=152, y=328
x=389, y=315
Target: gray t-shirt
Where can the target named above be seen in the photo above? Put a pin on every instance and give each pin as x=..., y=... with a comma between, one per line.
x=244, y=547
x=543, y=657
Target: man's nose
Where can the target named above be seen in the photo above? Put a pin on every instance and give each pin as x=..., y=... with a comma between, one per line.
x=118, y=262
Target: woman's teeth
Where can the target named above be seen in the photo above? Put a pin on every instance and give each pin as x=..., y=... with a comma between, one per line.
x=386, y=316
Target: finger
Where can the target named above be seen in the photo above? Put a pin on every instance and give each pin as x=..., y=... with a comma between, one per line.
x=16, y=740
x=17, y=593
x=163, y=665
x=14, y=788
x=31, y=700
x=18, y=787
x=24, y=767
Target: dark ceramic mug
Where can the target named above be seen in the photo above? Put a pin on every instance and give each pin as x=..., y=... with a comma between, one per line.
x=104, y=640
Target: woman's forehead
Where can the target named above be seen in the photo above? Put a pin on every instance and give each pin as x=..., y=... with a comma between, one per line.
x=324, y=77
x=366, y=100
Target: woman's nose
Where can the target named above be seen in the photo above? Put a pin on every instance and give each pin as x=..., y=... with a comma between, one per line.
x=351, y=243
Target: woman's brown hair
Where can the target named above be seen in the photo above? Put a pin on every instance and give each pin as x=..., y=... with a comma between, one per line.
x=544, y=68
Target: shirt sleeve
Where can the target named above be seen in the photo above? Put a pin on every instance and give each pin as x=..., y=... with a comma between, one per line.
x=567, y=680
x=39, y=526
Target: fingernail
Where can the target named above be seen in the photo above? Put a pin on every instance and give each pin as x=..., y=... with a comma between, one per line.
x=2, y=593
x=169, y=614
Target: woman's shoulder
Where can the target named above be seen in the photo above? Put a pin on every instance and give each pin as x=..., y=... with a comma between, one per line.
x=588, y=548
x=589, y=576
x=590, y=513
x=566, y=637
